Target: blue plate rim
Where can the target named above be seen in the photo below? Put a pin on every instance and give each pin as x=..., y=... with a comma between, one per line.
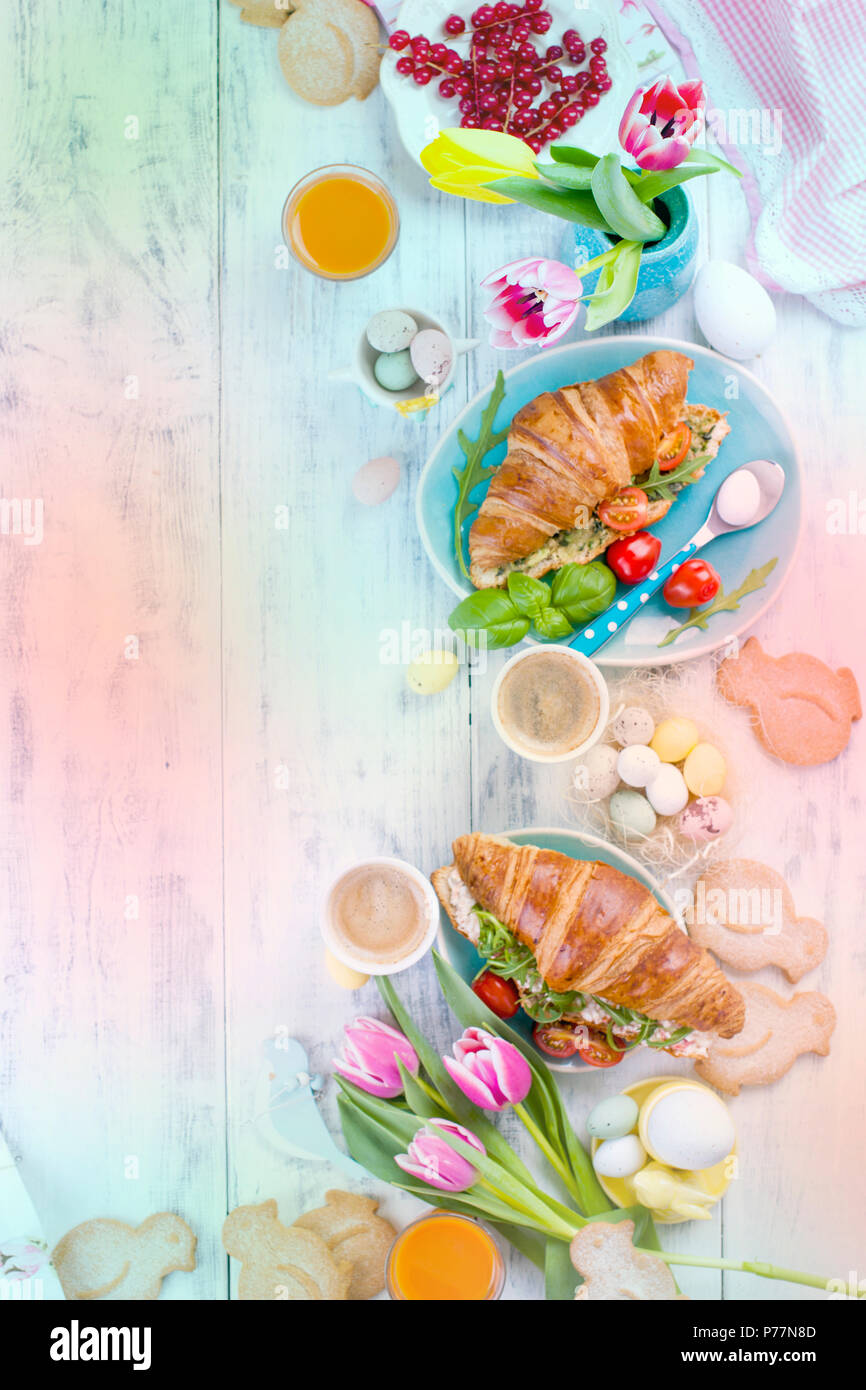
x=664, y=658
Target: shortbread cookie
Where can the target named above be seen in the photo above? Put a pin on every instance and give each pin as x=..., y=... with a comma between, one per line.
x=105, y=1259
x=328, y=51
x=744, y=913
x=350, y=1228
x=776, y=1032
x=267, y=14
x=281, y=1262
x=613, y=1270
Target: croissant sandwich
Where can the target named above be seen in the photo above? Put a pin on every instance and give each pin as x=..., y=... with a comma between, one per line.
x=571, y=450
x=587, y=946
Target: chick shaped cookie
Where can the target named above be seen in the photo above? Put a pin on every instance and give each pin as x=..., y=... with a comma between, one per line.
x=106, y=1259
x=280, y=1262
x=350, y=1228
x=614, y=1271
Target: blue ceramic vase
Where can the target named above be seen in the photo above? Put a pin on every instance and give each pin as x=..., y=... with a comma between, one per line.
x=667, y=267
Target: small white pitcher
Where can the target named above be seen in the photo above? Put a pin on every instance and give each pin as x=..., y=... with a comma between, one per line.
x=415, y=397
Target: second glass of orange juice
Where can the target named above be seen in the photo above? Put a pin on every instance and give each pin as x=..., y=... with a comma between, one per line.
x=340, y=222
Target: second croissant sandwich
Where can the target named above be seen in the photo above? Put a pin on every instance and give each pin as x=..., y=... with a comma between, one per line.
x=601, y=951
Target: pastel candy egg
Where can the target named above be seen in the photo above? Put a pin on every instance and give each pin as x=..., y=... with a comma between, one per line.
x=619, y=1158
x=667, y=793
x=704, y=770
x=739, y=498
x=637, y=764
x=344, y=975
x=612, y=1118
x=632, y=725
x=674, y=739
x=394, y=370
x=375, y=480
x=706, y=819
x=632, y=813
x=432, y=355
x=432, y=672
x=391, y=330
x=596, y=776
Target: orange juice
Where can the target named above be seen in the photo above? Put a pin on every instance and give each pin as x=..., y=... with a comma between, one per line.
x=340, y=222
x=445, y=1258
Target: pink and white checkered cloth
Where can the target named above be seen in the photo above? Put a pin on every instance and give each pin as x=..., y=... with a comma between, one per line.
x=785, y=81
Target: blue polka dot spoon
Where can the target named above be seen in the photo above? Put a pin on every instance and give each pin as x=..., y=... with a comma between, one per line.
x=770, y=478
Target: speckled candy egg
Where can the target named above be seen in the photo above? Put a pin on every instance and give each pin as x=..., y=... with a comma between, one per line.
x=704, y=770
x=632, y=813
x=432, y=355
x=619, y=1158
x=632, y=725
x=394, y=370
x=674, y=739
x=667, y=792
x=637, y=765
x=595, y=775
x=432, y=672
x=612, y=1118
x=706, y=819
x=375, y=480
x=391, y=330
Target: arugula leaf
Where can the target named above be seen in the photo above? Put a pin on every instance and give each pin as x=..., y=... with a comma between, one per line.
x=529, y=596
x=723, y=603
x=620, y=206
x=475, y=471
x=660, y=483
x=582, y=591
x=490, y=618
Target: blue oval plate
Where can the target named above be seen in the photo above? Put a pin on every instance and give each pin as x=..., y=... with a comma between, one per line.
x=758, y=430
x=465, y=959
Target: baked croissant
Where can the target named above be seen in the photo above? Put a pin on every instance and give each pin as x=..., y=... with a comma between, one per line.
x=595, y=930
x=570, y=449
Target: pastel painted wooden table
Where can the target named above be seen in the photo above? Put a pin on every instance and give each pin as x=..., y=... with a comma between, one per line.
x=203, y=715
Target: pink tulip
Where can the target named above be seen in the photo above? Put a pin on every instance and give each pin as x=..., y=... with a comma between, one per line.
x=534, y=302
x=369, y=1057
x=661, y=122
x=490, y=1072
x=436, y=1163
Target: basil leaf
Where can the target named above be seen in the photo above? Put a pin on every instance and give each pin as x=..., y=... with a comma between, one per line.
x=490, y=612
x=620, y=205
x=615, y=287
x=582, y=591
x=559, y=202
x=552, y=624
x=529, y=596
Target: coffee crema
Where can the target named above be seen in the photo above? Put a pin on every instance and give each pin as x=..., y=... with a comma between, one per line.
x=548, y=703
x=379, y=913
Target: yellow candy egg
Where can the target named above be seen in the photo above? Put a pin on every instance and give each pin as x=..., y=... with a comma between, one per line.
x=344, y=975
x=704, y=770
x=674, y=739
x=432, y=672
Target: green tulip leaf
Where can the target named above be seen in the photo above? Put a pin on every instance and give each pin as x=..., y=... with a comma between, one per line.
x=711, y=161
x=560, y=1276
x=573, y=206
x=615, y=287
x=573, y=154
x=650, y=186
x=619, y=204
x=577, y=176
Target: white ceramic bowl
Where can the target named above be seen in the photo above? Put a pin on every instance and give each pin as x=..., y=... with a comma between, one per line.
x=362, y=375
x=335, y=943
x=589, y=668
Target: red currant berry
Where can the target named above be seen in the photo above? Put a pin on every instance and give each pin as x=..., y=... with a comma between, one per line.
x=524, y=72
x=535, y=144
x=502, y=10
x=484, y=15
x=522, y=30
x=446, y=88
x=467, y=106
x=541, y=22
x=590, y=96
x=554, y=53
x=470, y=122
x=454, y=64
x=454, y=25
x=405, y=66
x=578, y=54
x=547, y=110
x=571, y=38
x=568, y=117
x=522, y=98
x=598, y=46
x=559, y=100
x=527, y=53
x=505, y=69
x=570, y=84
x=532, y=6
x=463, y=86
x=422, y=76
x=398, y=40
x=486, y=71
x=604, y=84
x=554, y=75
x=554, y=131
x=420, y=46
x=492, y=123
x=597, y=65
x=534, y=85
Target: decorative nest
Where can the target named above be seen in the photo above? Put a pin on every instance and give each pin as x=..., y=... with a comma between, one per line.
x=688, y=690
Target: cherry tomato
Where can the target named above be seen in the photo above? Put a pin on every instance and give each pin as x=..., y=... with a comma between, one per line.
x=597, y=1051
x=556, y=1039
x=634, y=557
x=500, y=996
x=694, y=583
x=627, y=511
x=674, y=448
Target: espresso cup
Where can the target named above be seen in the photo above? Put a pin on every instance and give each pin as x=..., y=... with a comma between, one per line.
x=595, y=683
x=381, y=962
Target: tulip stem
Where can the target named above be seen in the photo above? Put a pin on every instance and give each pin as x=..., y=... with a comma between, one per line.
x=555, y=1225
x=596, y=262
x=435, y=1096
x=550, y=1154
x=792, y=1276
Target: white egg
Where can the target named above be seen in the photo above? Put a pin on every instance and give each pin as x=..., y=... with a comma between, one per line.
x=391, y=330
x=375, y=480
x=619, y=1158
x=739, y=498
x=595, y=775
x=667, y=792
x=432, y=355
x=637, y=764
x=612, y=1118
x=690, y=1128
x=735, y=313
x=632, y=725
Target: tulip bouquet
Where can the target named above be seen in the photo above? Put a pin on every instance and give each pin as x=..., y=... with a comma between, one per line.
x=535, y=301
x=421, y=1122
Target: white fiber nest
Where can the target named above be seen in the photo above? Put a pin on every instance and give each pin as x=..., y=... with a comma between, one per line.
x=688, y=690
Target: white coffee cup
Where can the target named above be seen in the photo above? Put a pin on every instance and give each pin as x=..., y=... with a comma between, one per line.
x=336, y=943
x=588, y=668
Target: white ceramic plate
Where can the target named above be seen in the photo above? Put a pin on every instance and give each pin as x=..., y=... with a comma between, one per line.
x=421, y=112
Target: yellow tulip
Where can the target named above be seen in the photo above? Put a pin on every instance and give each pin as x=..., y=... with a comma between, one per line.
x=463, y=162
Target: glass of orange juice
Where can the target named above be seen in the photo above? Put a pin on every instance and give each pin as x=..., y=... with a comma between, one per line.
x=340, y=222
x=445, y=1257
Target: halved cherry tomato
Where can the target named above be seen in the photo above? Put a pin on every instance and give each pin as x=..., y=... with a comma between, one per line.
x=500, y=996
x=627, y=511
x=634, y=557
x=556, y=1039
x=694, y=583
x=674, y=447
x=597, y=1051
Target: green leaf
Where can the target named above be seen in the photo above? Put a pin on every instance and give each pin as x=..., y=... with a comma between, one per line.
x=650, y=186
x=552, y=625
x=420, y=1103
x=621, y=206
x=401, y=1124
x=475, y=471
x=529, y=596
x=489, y=618
x=560, y=1276
x=572, y=154
x=580, y=592
x=616, y=286
x=661, y=483
x=577, y=176
x=369, y=1143
x=711, y=161
x=723, y=603
x=558, y=202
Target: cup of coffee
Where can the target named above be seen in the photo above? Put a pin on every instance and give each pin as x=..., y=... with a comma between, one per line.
x=550, y=704
x=380, y=916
